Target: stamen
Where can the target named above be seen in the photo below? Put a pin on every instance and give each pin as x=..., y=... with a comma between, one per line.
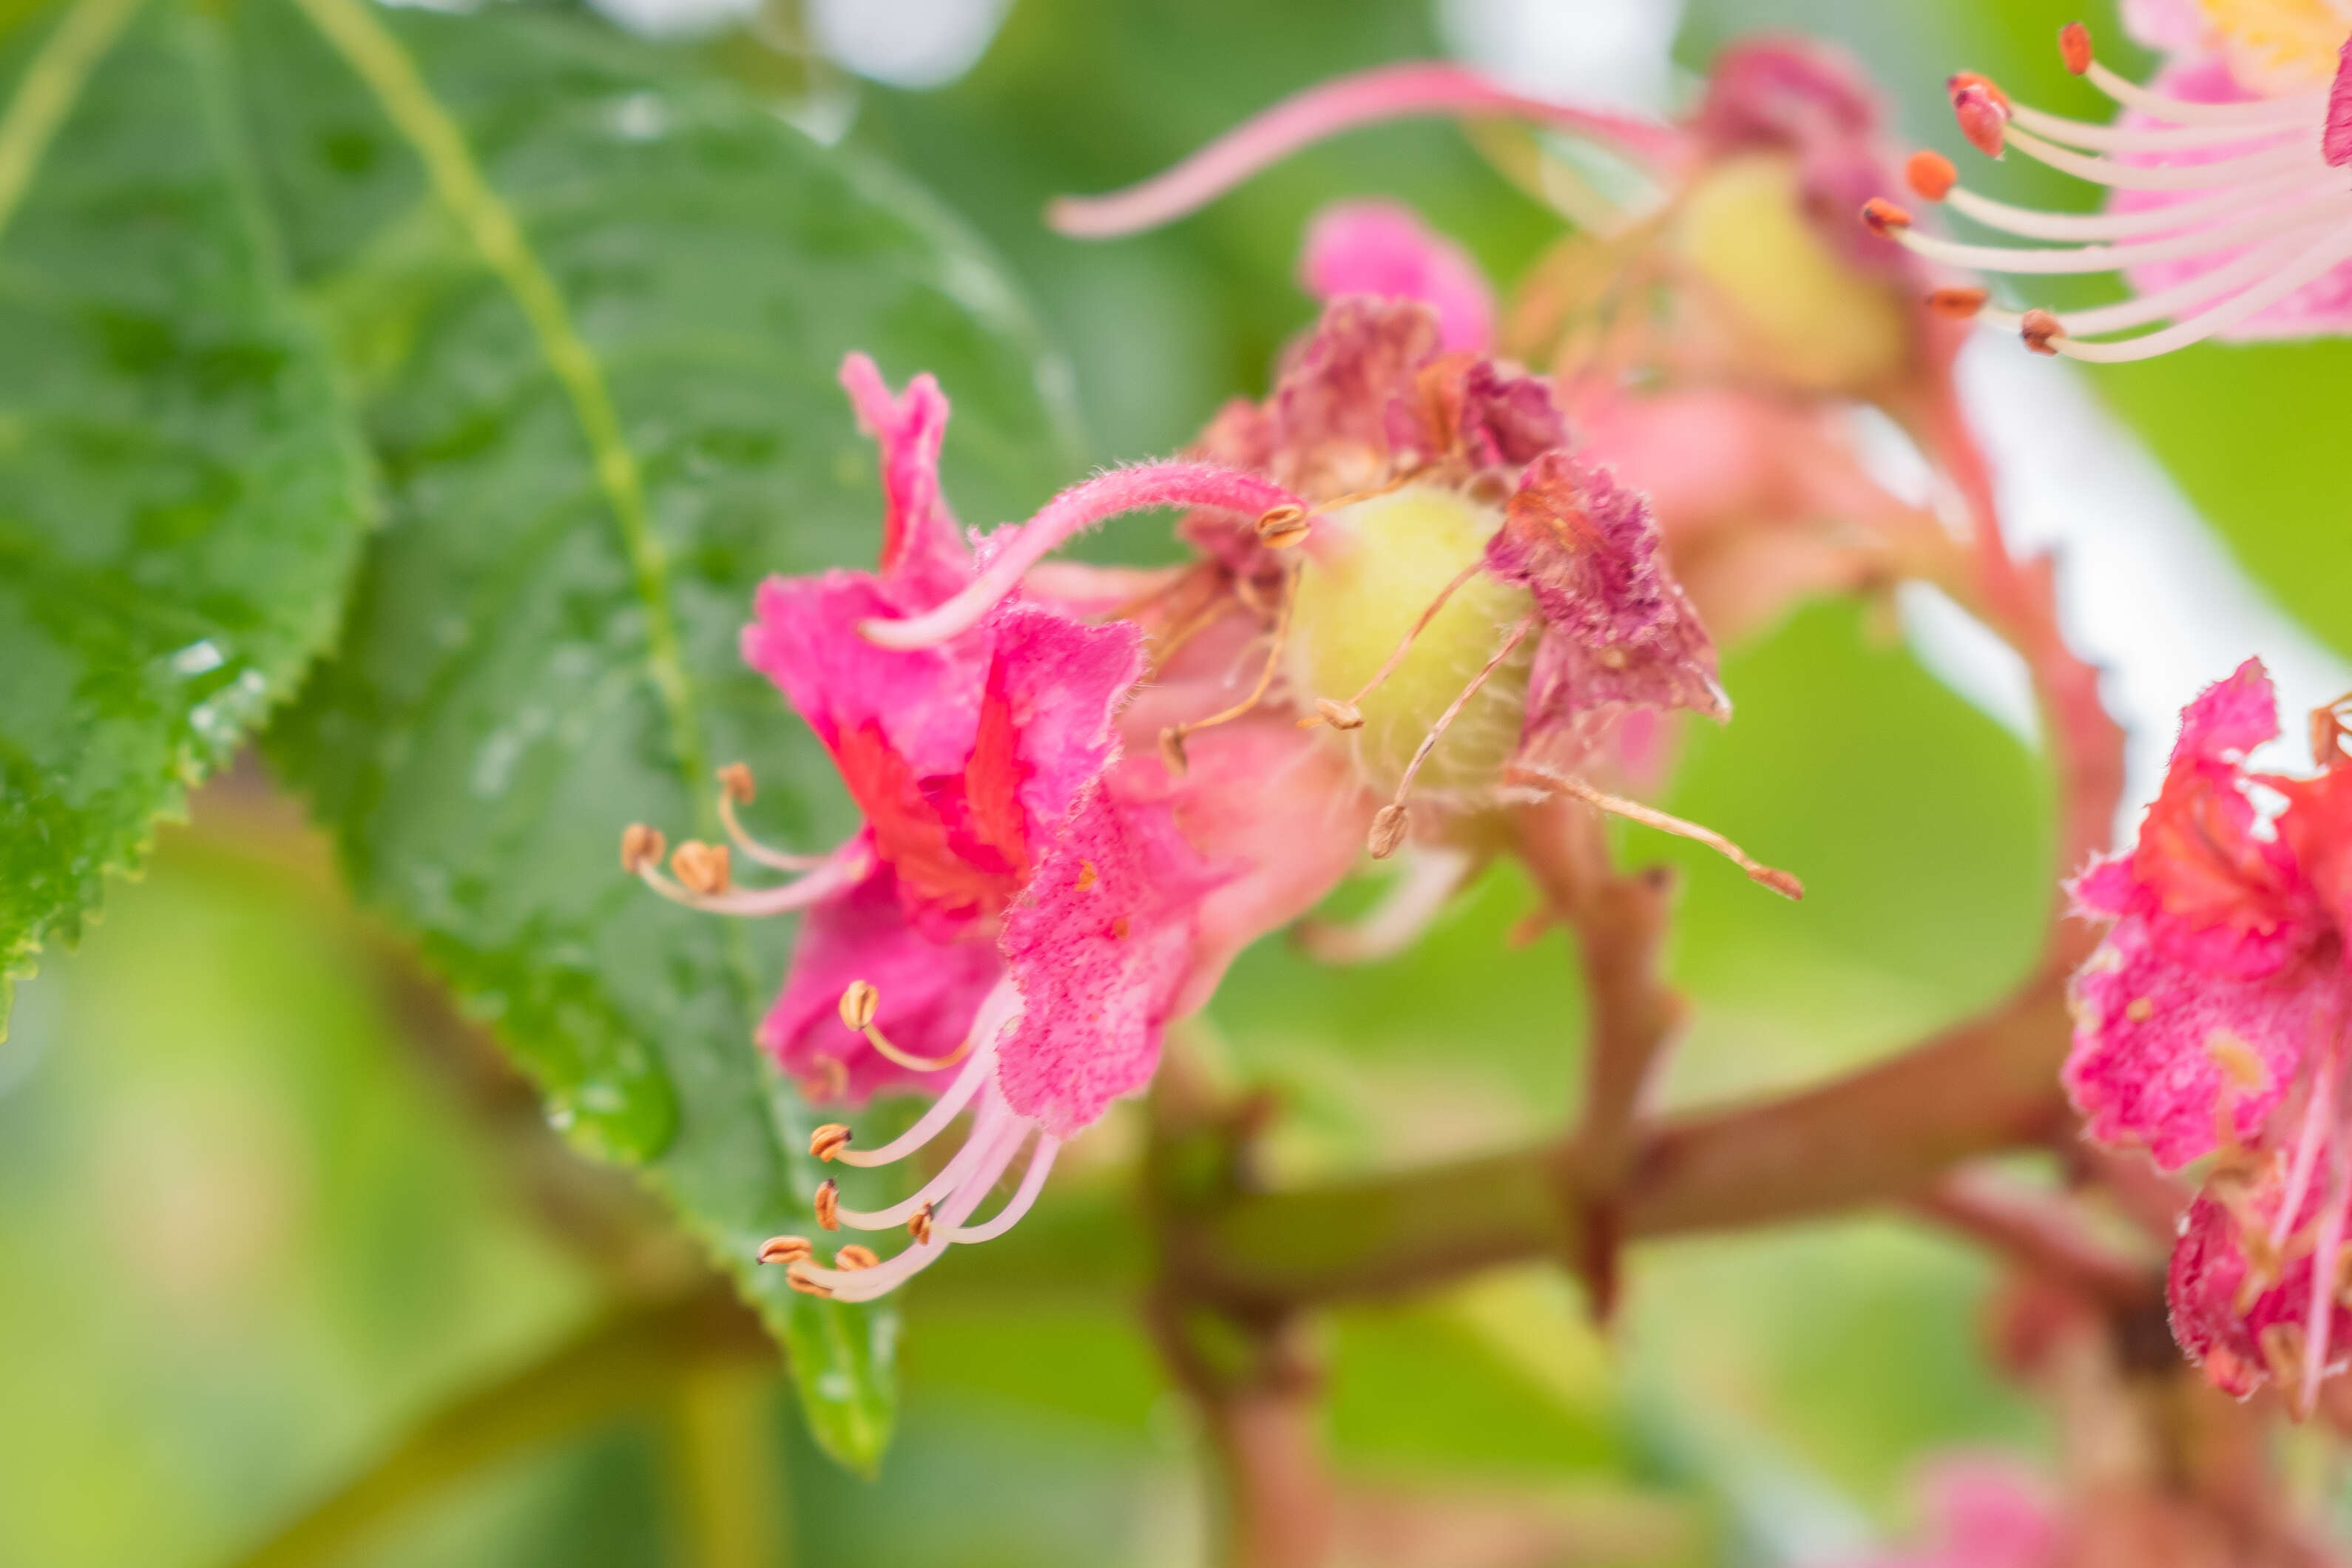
x=1982, y=111
x=858, y=1001
x=2040, y=330
x=2074, y=47
x=828, y=1203
x=2058, y=259
x=865, y=1284
x=1780, y=883
x=641, y=848
x=2326, y=1256
x=735, y=788
x=1386, y=836
x=855, y=1257
x=2166, y=177
x=1283, y=527
x=2327, y=732
x=994, y=1012
x=828, y=1141
x=1171, y=740
x=2328, y=252
x=1957, y=303
x=1884, y=218
x=1338, y=714
x=1072, y=511
x=786, y=1249
x=1369, y=98
x=1396, y=655
x=2169, y=302
x=1930, y=174
x=2181, y=111
x=800, y=1277
x=919, y=1225
x=2310, y=1136
x=707, y=864
x=984, y=1128
x=1024, y=1197
x=701, y=868
x=2187, y=213
x=2097, y=138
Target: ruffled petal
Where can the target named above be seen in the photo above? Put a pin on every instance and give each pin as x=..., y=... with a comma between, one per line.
x=2162, y=1048
x=920, y=545
x=1618, y=632
x=1099, y=944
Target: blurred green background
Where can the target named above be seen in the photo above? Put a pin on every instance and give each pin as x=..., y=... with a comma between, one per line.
x=264, y=1207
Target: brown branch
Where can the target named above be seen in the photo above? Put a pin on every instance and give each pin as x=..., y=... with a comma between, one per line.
x=1874, y=1136
x=1633, y=1015
x=2042, y=1231
x=1246, y=1367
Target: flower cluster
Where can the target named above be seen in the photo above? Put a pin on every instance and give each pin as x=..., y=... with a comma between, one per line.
x=1085, y=790
x=2212, y=1022
x=2230, y=213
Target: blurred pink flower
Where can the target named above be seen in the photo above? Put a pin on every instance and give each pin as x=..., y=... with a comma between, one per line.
x=1979, y=1511
x=1383, y=249
x=2212, y=1021
x=2226, y=213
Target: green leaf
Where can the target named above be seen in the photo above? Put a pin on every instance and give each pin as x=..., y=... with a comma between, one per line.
x=596, y=304
x=181, y=495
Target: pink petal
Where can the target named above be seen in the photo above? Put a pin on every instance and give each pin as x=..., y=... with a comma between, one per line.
x=1045, y=730
x=1273, y=805
x=924, y=704
x=2143, y=1068
x=920, y=544
x=1099, y=945
x=1387, y=92
x=2175, y=27
x=2335, y=135
x=2214, y=1318
x=1618, y=630
x=1383, y=249
x=2229, y=718
x=929, y=991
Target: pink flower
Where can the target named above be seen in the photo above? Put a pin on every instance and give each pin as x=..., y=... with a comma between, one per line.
x=1085, y=790
x=1383, y=249
x=1980, y=1512
x=1009, y=931
x=1473, y=609
x=2212, y=1021
x=2226, y=215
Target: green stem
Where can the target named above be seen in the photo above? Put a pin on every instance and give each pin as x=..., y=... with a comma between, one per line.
x=632, y=1361
x=52, y=86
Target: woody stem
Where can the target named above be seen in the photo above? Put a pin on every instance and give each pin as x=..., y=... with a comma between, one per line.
x=1874, y=1136
x=1620, y=924
x=1245, y=1366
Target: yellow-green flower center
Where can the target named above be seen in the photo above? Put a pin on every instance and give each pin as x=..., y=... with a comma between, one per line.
x=1370, y=571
